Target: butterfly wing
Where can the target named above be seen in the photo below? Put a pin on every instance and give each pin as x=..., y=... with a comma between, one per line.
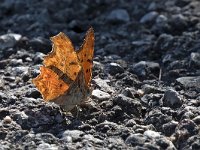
x=85, y=55
x=61, y=67
x=63, y=56
x=49, y=84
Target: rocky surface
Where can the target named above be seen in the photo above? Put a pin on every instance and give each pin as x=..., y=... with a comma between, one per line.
x=146, y=75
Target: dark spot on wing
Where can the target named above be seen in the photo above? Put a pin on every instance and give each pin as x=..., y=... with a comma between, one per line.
x=89, y=60
x=87, y=70
x=75, y=73
x=73, y=63
x=85, y=55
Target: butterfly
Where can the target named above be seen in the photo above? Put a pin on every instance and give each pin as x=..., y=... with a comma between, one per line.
x=66, y=74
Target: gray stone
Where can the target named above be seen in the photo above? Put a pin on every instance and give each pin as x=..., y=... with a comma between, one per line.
x=195, y=60
x=100, y=95
x=102, y=84
x=135, y=139
x=74, y=134
x=172, y=99
x=47, y=146
x=118, y=16
x=115, y=68
x=190, y=82
x=152, y=134
x=39, y=57
x=6, y=41
x=161, y=19
x=149, y=17
x=143, y=68
x=19, y=70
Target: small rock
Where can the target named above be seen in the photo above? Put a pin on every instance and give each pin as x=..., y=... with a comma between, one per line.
x=19, y=70
x=74, y=134
x=129, y=92
x=2, y=96
x=16, y=62
x=102, y=84
x=100, y=95
x=190, y=82
x=118, y=16
x=7, y=120
x=32, y=92
x=195, y=60
x=161, y=19
x=151, y=89
x=197, y=120
x=149, y=17
x=129, y=105
x=144, y=68
x=169, y=128
x=178, y=22
x=151, y=134
x=7, y=40
x=91, y=138
x=114, y=68
x=135, y=139
x=163, y=42
x=47, y=146
x=40, y=44
x=172, y=99
x=38, y=57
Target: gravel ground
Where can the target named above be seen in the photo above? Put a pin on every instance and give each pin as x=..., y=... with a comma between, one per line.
x=146, y=75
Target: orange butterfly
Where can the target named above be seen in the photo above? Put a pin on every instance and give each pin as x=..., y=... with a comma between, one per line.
x=66, y=75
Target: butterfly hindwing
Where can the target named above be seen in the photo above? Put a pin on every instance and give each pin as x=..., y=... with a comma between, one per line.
x=85, y=55
x=49, y=84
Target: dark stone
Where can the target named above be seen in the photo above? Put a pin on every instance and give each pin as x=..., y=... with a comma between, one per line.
x=144, y=69
x=172, y=99
x=118, y=16
x=129, y=105
x=135, y=139
x=149, y=17
x=195, y=60
x=114, y=68
x=190, y=82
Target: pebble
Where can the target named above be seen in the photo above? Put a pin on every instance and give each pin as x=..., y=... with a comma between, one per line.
x=161, y=19
x=103, y=85
x=172, y=99
x=197, y=120
x=100, y=95
x=149, y=17
x=135, y=139
x=6, y=41
x=19, y=70
x=151, y=134
x=114, y=68
x=195, y=60
x=190, y=82
x=47, y=146
x=38, y=57
x=169, y=128
x=144, y=68
x=40, y=44
x=7, y=120
x=178, y=22
x=128, y=105
x=74, y=134
x=118, y=16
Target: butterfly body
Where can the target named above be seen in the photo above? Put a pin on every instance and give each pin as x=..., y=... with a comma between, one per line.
x=76, y=94
x=66, y=75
